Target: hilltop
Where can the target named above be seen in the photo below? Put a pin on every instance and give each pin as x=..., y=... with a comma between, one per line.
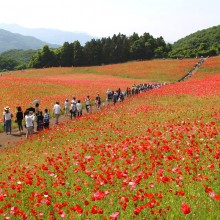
x=52, y=36
x=9, y=41
x=201, y=43
x=22, y=57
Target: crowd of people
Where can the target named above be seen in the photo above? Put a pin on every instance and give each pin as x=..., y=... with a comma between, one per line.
x=190, y=73
x=30, y=116
x=36, y=119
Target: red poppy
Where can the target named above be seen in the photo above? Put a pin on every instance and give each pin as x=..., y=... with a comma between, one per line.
x=185, y=208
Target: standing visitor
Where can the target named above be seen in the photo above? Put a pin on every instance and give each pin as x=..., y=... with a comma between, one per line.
x=36, y=108
x=115, y=97
x=74, y=100
x=46, y=119
x=7, y=119
x=121, y=97
x=88, y=104
x=119, y=92
x=73, y=110
x=19, y=118
x=98, y=102
x=109, y=96
x=40, y=121
x=66, y=107
x=79, y=108
x=29, y=118
x=57, y=111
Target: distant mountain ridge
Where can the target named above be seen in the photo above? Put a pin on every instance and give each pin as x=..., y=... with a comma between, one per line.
x=9, y=41
x=48, y=35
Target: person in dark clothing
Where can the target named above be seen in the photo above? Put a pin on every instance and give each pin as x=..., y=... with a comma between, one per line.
x=19, y=118
x=98, y=102
x=73, y=110
x=36, y=110
x=119, y=92
x=121, y=97
x=40, y=121
x=115, y=97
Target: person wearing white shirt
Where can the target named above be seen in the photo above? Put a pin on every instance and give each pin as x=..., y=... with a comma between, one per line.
x=29, y=119
x=79, y=108
x=74, y=100
x=57, y=111
x=66, y=107
x=7, y=119
x=88, y=104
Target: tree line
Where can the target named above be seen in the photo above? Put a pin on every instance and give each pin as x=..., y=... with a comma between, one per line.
x=116, y=49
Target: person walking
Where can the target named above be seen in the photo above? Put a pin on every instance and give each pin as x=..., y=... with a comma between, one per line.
x=19, y=118
x=46, y=119
x=7, y=119
x=29, y=118
x=37, y=110
x=73, y=110
x=57, y=111
x=109, y=96
x=40, y=121
x=98, y=102
x=121, y=97
x=88, y=104
x=66, y=107
x=115, y=97
x=79, y=108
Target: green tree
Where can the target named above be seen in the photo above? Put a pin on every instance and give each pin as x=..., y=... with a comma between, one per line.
x=44, y=58
x=66, y=54
x=137, y=49
x=7, y=64
x=93, y=52
x=78, y=55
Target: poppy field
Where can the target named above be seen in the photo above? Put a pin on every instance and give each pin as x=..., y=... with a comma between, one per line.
x=154, y=156
x=21, y=88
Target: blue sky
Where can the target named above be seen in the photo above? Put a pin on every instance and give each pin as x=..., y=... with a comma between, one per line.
x=171, y=19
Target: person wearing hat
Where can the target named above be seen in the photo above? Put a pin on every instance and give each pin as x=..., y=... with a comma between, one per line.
x=7, y=119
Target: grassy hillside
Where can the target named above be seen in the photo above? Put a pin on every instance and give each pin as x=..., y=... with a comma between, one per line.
x=20, y=56
x=202, y=43
x=9, y=41
x=51, y=84
x=155, y=156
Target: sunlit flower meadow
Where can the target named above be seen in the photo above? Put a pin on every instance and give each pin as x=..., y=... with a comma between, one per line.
x=154, y=156
x=21, y=88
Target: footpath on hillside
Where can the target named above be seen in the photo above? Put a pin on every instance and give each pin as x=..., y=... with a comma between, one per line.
x=16, y=138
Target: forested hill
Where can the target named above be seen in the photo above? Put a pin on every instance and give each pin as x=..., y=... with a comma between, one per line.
x=10, y=41
x=201, y=43
x=20, y=56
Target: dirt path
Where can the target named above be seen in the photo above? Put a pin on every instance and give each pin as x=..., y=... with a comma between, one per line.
x=16, y=138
